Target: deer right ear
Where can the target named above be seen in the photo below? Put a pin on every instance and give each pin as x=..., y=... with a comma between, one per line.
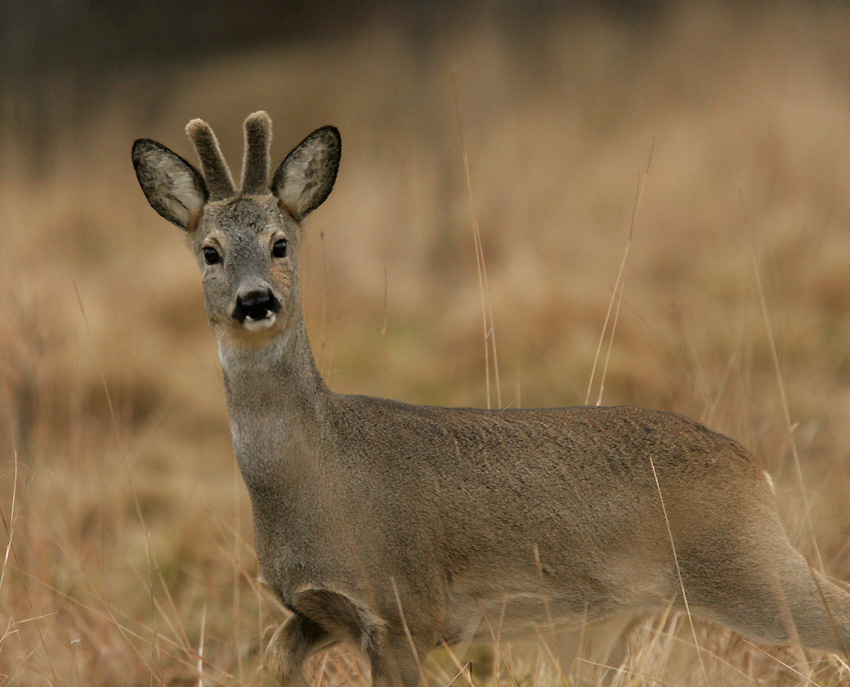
x=172, y=186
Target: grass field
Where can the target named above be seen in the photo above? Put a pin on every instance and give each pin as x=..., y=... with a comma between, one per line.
x=717, y=138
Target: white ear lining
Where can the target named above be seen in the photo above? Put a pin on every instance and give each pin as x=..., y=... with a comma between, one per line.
x=182, y=197
x=172, y=186
x=294, y=191
x=307, y=175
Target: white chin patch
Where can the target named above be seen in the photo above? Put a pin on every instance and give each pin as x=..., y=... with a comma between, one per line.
x=259, y=325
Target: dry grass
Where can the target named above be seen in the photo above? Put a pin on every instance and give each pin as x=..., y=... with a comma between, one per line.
x=125, y=526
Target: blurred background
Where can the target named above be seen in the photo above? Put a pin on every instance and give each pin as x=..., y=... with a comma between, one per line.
x=679, y=170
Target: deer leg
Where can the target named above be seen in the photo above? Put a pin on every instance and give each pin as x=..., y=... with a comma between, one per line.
x=819, y=609
x=292, y=644
x=394, y=663
x=767, y=590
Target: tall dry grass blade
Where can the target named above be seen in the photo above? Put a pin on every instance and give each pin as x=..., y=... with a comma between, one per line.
x=237, y=599
x=108, y=613
x=324, y=363
x=782, y=663
x=459, y=667
x=156, y=633
x=405, y=625
x=580, y=649
x=227, y=530
x=259, y=597
x=466, y=668
x=29, y=620
x=172, y=626
x=73, y=643
x=496, y=637
x=786, y=413
x=619, y=288
x=549, y=620
x=828, y=612
x=630, y=673
x=452, y=652
x=678, y=571
x=9, y=525
x=201, y=647
x=717, y=658
x=176, y=625
x=112, y=414
x=649, y=650
x=385, y=368
x=150, y=556
x=10, y=528
x=605, y=328
x=125, y=631
x=8, y=631
x=483, y=285
x=708, y=414
x=550, y=653
x=518, y=386
x=322, y=671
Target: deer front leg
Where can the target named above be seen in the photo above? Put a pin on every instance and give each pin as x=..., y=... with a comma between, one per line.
x=394, y=663
x=292, y=644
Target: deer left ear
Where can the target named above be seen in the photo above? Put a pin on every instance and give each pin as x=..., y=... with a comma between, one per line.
x=305, y=178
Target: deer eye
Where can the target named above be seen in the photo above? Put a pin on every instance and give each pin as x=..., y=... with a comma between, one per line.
x=211, y=255
x=279, y=248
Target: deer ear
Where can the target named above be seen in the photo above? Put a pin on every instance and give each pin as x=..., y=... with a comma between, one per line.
x=306, y=177
x=172, y=186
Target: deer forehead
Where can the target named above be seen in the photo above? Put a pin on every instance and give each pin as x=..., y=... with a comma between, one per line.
x=245, y=215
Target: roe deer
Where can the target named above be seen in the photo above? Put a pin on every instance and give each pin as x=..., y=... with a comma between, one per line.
x=400, y=527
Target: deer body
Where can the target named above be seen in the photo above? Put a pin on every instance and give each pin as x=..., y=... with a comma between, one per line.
x=401, y=527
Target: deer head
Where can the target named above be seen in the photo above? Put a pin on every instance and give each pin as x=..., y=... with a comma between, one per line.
x=246, y=241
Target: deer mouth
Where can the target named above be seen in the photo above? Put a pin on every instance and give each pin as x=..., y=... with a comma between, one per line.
x=253, y=325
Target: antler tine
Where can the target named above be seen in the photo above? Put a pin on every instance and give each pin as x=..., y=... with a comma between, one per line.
x=216, y=172
x=255, y=164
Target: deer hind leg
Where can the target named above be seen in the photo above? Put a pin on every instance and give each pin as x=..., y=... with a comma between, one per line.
x=819, y=608
x=768, y=592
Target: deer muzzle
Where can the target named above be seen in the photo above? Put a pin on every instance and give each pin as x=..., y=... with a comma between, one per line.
x=256, y=309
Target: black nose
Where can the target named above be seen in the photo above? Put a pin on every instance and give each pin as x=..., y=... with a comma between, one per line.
x=256, y=305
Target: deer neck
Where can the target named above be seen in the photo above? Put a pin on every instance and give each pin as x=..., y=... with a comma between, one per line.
x=278, y=404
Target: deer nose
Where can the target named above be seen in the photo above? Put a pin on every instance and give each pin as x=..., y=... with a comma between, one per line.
x=255, y=305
